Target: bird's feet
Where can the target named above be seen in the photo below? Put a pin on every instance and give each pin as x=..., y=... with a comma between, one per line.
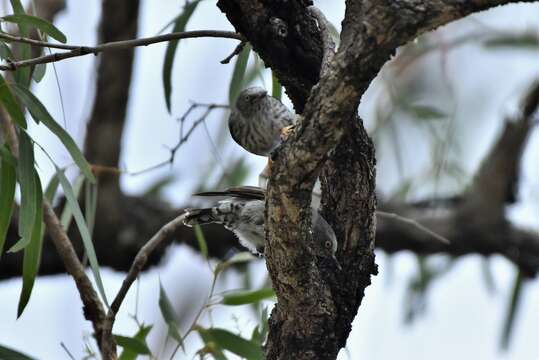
x=287, y=131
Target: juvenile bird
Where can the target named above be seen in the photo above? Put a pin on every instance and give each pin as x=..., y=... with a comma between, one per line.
x=258, y=121
x=242, y=212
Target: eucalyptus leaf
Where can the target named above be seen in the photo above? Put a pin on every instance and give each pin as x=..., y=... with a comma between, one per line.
x=238, y=74
x=141, y=335
x=22, y=75
x=242, y=297
x=132, y=344
x=32, y=252
x=8, y=179
x=227, y=340
x=38, y=23
x=169, y=315
x=83, y=229
x=202, y=244
x=10, y=104
x=170, y=52
x=27, y=175
x=40, y=113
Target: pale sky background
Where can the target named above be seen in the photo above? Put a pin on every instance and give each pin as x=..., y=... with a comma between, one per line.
x=463, y=319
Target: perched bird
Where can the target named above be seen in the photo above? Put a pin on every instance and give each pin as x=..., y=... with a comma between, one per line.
x=242, y=212
x=258, y=122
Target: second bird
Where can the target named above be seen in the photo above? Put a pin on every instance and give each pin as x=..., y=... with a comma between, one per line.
x=258, y=121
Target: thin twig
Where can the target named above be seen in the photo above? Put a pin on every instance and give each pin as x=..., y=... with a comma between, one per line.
x=183, y=137
x=161, y=236
x=236, y=51
x=75, y=50
x=413, y=223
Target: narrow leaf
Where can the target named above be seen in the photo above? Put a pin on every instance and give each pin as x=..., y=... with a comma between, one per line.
x=7, y=190
x=238, y=258
x=40, y=113
x=90, y=202
x=202, y=245
x=67, y=214
x=236, y=344
x=83, y=229
x=170, y=52
x=10, y=354
x=32, y=252
x=169, y=315
x=28, y=191
x=141, y=335
x=242, y=297
x=132, y=344
x=22, y=75
x=523, y=41
x=52, y=187
x=236, y=82
x=39, y=72
x=211, y=346
x=5, y=51
x=38, y=23
x=276, y=88
x=511, y=311
x=425, y=112
x=11, y=105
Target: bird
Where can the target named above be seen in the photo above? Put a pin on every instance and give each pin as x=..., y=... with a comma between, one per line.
x=242, y=211
x=259, y=122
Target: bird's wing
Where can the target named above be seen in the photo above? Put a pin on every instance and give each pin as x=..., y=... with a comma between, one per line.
x=243, y=192
x=282, y=115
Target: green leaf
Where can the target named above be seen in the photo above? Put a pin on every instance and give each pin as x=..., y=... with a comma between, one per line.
x=32, y=252
x=170, y=52
x=8, y=179
x=51, y=189
x=11, y=105
x=169, y=315
x=90, y=202
x=425, y=112
x=132, y=344
x=511, y=311
x=276, y=88
x=10, y=354
x=236, y=82
x=28, y=192
x=211, y=346
x=39, y=72
x=67, y=214
x=141, y=335
x=522, y=41
x=247, y=349
x=238, y=258
x=83, y=229
x=38, y=23
x=5, y=51
x=242, y=297
x=40, y=113
x=202, y=245
x=22, y=75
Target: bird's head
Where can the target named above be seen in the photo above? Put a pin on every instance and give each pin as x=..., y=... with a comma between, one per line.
x=250, y=98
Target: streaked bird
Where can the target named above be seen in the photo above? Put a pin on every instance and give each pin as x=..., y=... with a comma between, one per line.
x=258, y=121
x=242, y=212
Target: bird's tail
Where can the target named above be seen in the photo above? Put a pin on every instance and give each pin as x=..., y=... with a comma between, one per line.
x=200, y=216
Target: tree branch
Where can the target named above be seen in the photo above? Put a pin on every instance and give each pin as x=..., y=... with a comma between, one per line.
x=77, y=50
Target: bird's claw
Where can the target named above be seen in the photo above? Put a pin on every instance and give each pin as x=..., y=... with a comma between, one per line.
x=287, y=131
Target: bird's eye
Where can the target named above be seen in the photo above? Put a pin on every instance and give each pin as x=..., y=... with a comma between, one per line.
x=328, y=244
